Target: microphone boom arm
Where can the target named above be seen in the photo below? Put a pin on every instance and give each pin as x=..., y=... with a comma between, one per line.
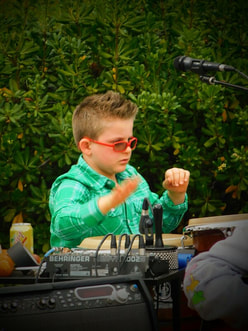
x=213, y=81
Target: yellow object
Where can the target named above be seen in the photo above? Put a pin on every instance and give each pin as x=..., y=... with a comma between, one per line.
x=22, y=232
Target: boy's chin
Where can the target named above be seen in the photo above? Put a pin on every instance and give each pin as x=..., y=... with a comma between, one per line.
x=121, y=168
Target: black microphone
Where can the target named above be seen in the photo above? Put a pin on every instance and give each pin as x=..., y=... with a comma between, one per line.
x=185, y=63
x=158, y=220
x=146, y=223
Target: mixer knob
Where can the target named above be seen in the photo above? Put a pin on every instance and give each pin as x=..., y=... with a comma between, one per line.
x=134, y=288
x=86, y=304
x=122, y=295
x=51, y=302
x=13, y=306
x=5, y=306
x=42, y=303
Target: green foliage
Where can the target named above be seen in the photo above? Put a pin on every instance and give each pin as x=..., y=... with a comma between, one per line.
x=54, y=53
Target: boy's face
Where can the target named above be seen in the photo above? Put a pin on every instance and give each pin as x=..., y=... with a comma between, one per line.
x=103, y=159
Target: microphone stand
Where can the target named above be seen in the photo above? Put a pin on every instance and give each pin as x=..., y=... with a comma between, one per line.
x=213, y=81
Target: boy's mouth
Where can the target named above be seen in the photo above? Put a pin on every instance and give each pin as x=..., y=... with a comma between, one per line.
x=124, y=161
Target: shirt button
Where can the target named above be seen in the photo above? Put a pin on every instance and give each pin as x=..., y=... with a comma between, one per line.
x=109, y=183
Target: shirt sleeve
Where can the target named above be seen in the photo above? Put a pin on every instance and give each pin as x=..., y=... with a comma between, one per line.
x=213, y=281
x=172, y=214
x=73, y=213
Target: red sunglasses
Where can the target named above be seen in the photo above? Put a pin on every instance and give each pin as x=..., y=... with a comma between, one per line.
x=118, y=146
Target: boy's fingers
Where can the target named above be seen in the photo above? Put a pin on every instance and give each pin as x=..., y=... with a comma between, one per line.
x=121, y=192
x=176, y=177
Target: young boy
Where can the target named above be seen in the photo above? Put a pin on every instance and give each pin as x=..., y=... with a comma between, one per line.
x=102, y=193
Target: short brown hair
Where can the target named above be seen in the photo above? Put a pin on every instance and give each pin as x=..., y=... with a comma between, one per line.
x=88, y=115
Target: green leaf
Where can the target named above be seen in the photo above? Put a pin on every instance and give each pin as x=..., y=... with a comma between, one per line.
x=10, y=215
x=210, y=142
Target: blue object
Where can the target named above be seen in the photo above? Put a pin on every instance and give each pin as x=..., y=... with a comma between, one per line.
x=183, y=259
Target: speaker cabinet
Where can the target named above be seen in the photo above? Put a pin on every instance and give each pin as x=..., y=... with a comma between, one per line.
x=107, y=303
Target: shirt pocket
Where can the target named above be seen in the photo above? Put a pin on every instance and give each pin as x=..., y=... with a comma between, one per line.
x=114, y=221
x=134, y=210
x=116, y=212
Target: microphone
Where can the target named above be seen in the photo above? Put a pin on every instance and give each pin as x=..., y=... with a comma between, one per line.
x=146, y=223
x=185, y=63
x=158, y=220
x=162, y=257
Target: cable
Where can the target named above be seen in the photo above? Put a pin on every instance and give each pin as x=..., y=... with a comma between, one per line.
x=128, y=250
x=127, y=245
x=39, y=269
x=241, y=73
x=98, y=248
x=53, y=249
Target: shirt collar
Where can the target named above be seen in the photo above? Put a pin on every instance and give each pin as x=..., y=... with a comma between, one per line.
x=93, y=179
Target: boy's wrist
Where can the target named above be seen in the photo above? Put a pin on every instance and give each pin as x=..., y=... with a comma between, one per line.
x=176, y=197
x=105, y=203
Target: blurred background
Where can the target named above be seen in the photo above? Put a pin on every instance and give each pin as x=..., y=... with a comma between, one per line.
x=54, y=53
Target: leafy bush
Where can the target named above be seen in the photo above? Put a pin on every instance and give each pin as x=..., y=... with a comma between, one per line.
x=54, y=53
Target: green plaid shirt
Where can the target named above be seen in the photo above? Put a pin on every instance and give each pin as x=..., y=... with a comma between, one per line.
x=75, y=213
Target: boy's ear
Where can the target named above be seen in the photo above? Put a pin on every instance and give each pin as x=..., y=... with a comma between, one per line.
x=84, y=146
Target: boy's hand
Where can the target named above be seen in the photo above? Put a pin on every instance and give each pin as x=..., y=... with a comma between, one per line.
x=176, y=182
x=118, y=195
x=121, y=192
